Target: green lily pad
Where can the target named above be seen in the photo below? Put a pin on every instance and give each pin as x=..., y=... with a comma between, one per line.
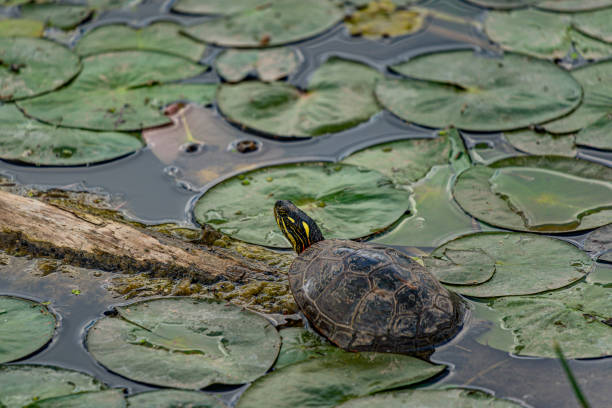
x=184, y=343
x=538, y=193
x=29, y=141
x=271, y=23
x=339, y=96
x=600, y=241
x=160, y=37
x=64, y=16
x=447, y=398
x=541, y=34
x=332, y=379
x=541, y=143
x=598, y=134
x=471, y=266
x=31, y=66
x=98, y=399
x=602, y=274
x=477, y=93
x=18, y=27
x=503, y=4
x=596, y=80
x=345, y=201
x=574, y=318
x=121, y=91
x=524, y=263
x=381, y=19
x=573, y=5
x=595, y=24
x=299, y=345
x=173, y=399
x=24, y=384
x=215, y=6
x=105, y=5
x=25, y=326
x=269, y=65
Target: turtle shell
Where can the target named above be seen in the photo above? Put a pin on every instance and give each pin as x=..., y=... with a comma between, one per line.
x=371, y=298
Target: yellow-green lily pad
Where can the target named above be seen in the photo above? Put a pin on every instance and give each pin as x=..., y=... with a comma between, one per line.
x=98, y=399
x=268, y=65
x=382, y=19
x=19, y=27
x=184, y=343
x=173, y=399
x=541, y=143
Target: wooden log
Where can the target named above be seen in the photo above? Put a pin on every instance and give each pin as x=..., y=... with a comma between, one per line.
x=29, y=226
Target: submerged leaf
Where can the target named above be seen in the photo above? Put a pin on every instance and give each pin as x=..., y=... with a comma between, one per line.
x=184, y=343
x=381, y=19
x=98, y=399
x=269, y=65
x=479, y=93
x=524, y=263
x=173, y=399
x=538, y=143
x=345, y=201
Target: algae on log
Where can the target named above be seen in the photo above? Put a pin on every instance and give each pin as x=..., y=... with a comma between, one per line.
x=29, y=226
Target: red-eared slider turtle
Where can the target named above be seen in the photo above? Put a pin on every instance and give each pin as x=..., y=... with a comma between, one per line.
x=365, y=297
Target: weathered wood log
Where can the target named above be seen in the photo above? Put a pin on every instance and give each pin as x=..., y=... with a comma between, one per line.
x=29, y=226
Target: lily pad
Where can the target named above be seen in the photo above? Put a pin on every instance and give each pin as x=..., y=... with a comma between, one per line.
x=595, y=24
x=172, y=399
x=574, y=318
x=268, y=65
x=541, y=143
x=573, y=5
x=160, y=37
x=25, y=326
x=596, y=80
x=381, y=19
x=599, y=242
x=431, y=398
x=524, y=263
x=32, y=66
x=461, y=266
x=215, y=6
x=29, y=141
x=184, y=343
x=332, y=379
x=339, y=96
x=602, y=274
x=18, y=27
x=24, y=384
x=121, y=91
x=345, y=201
x=538, y=193
x=503, y=4
x=598, y=134
x=64, y=16
x=299, y=345
x=478, y=93
x=271, y=23
x=98, y=399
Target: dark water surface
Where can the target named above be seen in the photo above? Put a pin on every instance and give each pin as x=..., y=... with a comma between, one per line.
x=156, y=193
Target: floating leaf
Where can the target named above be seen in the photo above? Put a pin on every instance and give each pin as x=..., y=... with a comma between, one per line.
x=574, y=318
x=17, y=27
x=98, y=399
x=540, y=143
x=161, y=37
x=216, y=6
x=121, y=91
x=31, y=66
x=329, y=380
x=271, y=23
x=299, y=345
x=25, y=326
x=29, y=141
x=448, y=398
x=173, y=399
x=595, y=24
x=23, y=384
x=381, y=19
x=538, y=193
x=184, y=343
x=602, y=273
x=598, y=134
x=503, y=4
x=596, y=81
x=524, y=263
x=600, y=241
x=477, y=93
x=104, y=5
x=573, y=5
x=461, y=266
x=268, y=65
x=339, y=96
x=64, y=16
x=345, y=201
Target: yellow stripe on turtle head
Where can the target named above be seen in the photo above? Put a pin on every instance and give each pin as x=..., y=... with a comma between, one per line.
x=307, y=229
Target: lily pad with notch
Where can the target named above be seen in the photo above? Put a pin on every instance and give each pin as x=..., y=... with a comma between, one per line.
x=268, y=65
x=184, y=343
x=99, y=399
x=461, y=266
x=479, y=93
x=339, y=96
x=550, y=194
x=121, y=91
x=174, y=399
x=32, y=66
x=345, y=201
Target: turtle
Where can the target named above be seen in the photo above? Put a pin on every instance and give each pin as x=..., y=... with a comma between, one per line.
x=365, y=297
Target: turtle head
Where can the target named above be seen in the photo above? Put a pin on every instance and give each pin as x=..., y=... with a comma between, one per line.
x=297, y=227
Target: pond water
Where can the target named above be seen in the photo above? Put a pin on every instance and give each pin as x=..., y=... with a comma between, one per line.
x=154, y=192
